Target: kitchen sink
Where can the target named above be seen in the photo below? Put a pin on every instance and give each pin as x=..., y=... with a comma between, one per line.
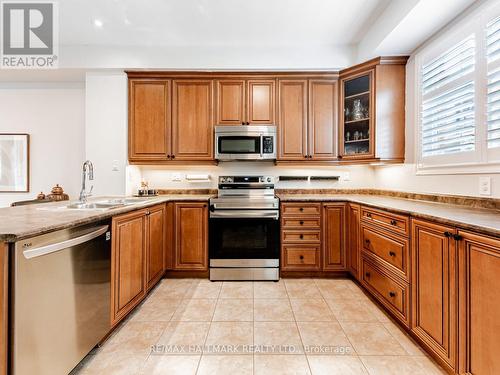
x=94, y=206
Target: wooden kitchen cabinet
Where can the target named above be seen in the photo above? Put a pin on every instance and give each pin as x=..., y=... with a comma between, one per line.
x=149, y=120
x=372, y=111
x=191, y=236
x=334, y=235
x=479, y=286
x=434, y=287
x=307, y=120
x=353, y=238
x=245, y=102
x=137, y=257
x=156, y=244
x=128, y=263
x=192, y=120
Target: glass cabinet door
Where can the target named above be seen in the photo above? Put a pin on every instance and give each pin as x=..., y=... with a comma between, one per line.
x=357, y=129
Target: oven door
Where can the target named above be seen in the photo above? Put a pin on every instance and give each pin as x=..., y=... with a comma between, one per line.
x=235, y=237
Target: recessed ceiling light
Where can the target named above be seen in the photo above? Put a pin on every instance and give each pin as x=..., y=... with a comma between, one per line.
x=98, y=23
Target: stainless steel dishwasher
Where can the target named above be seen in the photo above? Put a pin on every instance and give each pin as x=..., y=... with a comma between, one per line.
x=61, y=298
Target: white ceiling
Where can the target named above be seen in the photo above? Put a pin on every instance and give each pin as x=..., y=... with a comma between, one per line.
x=216, y=22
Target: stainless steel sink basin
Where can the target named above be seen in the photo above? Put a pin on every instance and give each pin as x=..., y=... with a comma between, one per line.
x=93, y=206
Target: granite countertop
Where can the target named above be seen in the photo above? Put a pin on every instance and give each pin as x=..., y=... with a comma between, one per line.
x=26, y=221
x=481, y=220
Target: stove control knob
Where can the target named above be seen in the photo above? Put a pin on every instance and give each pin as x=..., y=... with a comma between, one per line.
x=269, y=179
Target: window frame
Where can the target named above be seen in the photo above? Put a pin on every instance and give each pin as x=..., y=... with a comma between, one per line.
x=482, y=159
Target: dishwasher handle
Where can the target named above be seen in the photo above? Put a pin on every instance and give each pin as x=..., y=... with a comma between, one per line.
x=54, y=247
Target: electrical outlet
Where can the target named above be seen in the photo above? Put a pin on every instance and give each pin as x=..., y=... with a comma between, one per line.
x=114, y=166
x=176, y=177
x=485, y=185
x=347, y=176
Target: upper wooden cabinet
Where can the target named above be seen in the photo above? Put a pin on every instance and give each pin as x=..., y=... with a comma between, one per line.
x=307, y=120
x=372, y=111
x=149, y=120
x=192, y=120
x=245, y=102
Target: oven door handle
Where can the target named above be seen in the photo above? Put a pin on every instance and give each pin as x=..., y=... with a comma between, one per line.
x=243, y=214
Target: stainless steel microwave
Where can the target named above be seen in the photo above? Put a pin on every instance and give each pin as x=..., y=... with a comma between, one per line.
x=245, y=142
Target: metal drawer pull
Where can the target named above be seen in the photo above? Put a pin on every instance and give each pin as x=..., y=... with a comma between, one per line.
x=301, y=209
x=369, y=215
x=367, y=241
x=392, y=294
x=301, y=236
x=392, y=253
x=301, y=222
x=393, y=222
x=367, y=274
x=447, y=234
x=301, y=257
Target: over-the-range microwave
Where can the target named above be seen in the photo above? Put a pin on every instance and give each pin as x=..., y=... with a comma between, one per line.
x=245, y=142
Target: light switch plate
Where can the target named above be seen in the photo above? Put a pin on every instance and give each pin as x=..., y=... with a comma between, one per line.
x=485, y=185
x=114, y=166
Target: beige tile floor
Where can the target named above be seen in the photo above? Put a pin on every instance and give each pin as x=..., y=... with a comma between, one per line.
x=295, y=326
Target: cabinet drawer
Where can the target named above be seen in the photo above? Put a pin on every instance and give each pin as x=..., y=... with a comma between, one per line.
x=393, y=294
x=388, y=249
x=395, y=223
x=300, y=208
x=301, y=223
x=301, y=257
x=299, y=236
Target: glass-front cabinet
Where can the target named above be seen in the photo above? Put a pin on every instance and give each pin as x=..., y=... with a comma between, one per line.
x=372, y=111
x=357, y=116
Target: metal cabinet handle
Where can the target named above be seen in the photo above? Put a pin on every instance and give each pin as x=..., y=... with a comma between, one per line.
x=301, y=209
x=301, y=222
x=367, y=274
x=392, y=253
x=369, y=215
x=301, y=236
x=52, y=248
x=392, y=294
x=393, y=222
x=173, y=156
x=457, y=237
x=367, y=241
x=447, y=234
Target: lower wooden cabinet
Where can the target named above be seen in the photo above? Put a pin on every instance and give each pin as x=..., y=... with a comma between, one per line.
x=137, y=256
x=434, y=286
x=190, y=236
x=479, y=286
x=353, y=238
x=128, y=263
x=157, y=245
x=334, y=235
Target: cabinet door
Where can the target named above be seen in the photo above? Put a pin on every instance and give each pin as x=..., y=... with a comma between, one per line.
x=230, y=104
x=156, y=248
x=292, y=128
x=433, y=288
x=479, y=275
x=261, y=102
x=353, y=246
x=191, y=236
x=322, y=119
x=192, y=125
x=128, y=271
x=149, y=120
x=334, y=237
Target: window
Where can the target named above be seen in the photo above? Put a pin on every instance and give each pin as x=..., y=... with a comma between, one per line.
x=459, y=97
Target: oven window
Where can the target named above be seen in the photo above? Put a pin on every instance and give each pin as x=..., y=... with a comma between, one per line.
x=239, y=145
x=244, y=238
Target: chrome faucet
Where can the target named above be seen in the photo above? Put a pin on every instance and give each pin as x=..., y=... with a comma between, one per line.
x=83, y=193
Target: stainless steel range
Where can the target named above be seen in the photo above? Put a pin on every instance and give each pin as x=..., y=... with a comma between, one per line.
x=244, y=229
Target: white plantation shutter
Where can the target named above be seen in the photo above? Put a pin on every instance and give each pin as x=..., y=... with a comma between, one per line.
x=493, y=88
x=447, y=110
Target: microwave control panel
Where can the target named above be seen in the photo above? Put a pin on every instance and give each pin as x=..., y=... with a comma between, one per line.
x=268, y=145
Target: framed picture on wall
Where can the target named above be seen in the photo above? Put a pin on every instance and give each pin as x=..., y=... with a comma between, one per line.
x=14, y=163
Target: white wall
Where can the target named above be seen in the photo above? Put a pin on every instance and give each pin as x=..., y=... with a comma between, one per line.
x=53, y=115
x=106, y=130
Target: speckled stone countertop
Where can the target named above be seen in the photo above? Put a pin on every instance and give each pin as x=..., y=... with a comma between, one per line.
x=21, y=222
x=481, y=220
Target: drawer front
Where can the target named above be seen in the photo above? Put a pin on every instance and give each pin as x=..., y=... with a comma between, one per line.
x=300, y=257
x=299, y=236
x=392, y=250
x=391, y=293
x=300, y=208
x=395, y=223
x=301, y=223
